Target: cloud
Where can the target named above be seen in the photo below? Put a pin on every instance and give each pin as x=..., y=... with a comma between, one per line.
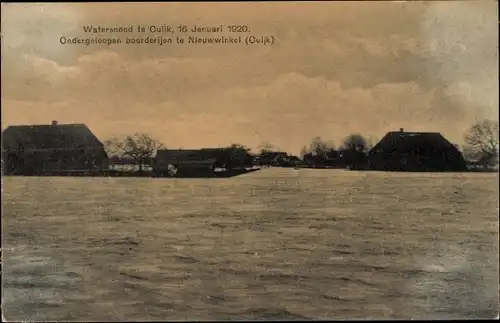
x=35, y=29
x=335, y=69
x=462, y=46
x=289, y=111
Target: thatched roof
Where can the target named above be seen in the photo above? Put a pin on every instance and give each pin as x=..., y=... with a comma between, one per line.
x=56, y=136
x=399, y=140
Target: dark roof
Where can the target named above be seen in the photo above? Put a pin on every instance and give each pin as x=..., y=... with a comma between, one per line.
x=272, y=154
x=60, y=136
x=209, y=155
x=231, y=150
x=186, y=154
x=397, y=139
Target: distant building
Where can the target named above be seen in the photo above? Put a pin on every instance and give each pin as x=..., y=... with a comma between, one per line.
x=332, y=158
x=33, y=149
x=274, y=158
x=311, y=159
x=485, y=162
x=169, y=162
x=415, y=151
x=293, y=160
x=128, y=164
x=353, y=159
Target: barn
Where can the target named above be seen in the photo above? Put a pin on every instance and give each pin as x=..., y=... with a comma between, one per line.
x=38, y=149
x=415, y=151
x=173, y=162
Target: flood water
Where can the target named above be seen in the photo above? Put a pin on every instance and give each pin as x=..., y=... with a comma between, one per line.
x=277, y=244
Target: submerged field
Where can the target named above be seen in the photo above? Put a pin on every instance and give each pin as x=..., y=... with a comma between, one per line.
x=272, y=245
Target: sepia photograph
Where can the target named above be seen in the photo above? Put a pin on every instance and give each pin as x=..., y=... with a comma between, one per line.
x=236, y=161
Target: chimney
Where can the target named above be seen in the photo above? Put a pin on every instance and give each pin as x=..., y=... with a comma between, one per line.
x=54, y=123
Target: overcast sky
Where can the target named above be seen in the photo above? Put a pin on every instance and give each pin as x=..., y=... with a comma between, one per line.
x=336, y=68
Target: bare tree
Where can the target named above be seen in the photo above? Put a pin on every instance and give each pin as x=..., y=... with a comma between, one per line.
x=266, y=147
x=303, y=151
x=482, y=142
x=111, y=146
x=240, y=154
x=139, y=147
x=356, y=142
x=320, y=147
x=239, y=147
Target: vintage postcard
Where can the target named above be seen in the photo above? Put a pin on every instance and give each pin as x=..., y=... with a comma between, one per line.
x=250, y=161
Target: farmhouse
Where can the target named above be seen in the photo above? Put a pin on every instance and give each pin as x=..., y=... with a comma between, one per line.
x=35, y=149
x=169, y=162
x=415, y=151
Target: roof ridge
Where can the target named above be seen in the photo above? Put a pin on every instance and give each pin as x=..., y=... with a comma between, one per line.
x=46, y=125
x=426, y=132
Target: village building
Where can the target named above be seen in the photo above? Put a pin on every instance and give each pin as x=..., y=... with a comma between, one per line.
x=37, y=149
x=343, y=158
x=127, y=164
x=293, y=160
x=273, y=158
x=172, y=162
x=330, y=158
x=415, y=151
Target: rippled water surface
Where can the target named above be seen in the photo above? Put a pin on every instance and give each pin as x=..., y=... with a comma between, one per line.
x=272, y=245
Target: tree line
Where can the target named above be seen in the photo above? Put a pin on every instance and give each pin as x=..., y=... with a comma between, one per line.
x=481, y=148
x=352, y=152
